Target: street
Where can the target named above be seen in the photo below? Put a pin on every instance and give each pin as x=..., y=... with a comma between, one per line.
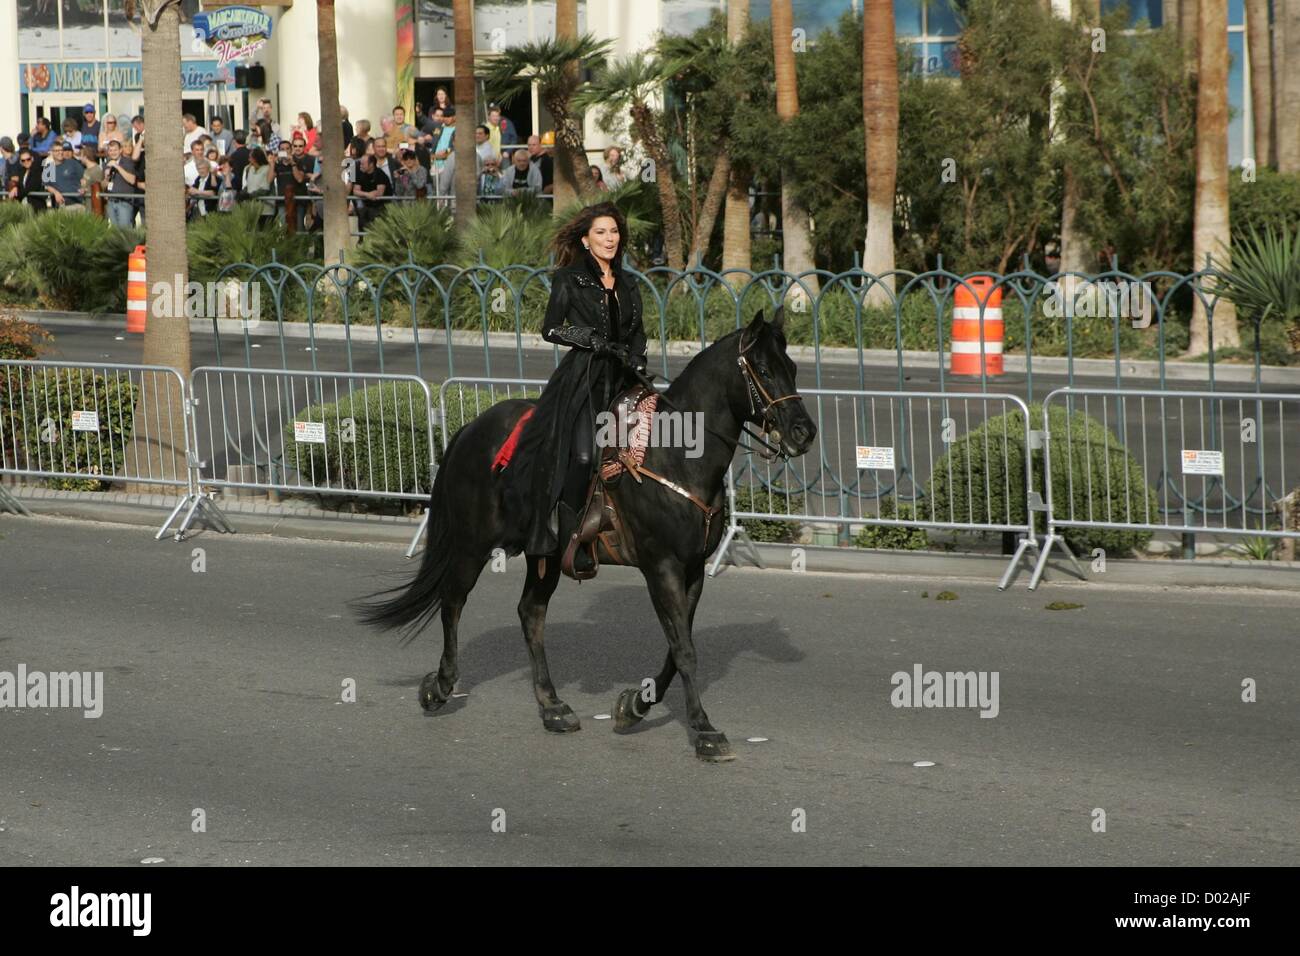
x=225, y=671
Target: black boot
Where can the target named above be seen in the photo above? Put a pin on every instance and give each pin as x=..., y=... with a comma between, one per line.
x=582, y=562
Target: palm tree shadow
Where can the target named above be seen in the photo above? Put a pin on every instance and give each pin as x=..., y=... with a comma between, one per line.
x=616, y=644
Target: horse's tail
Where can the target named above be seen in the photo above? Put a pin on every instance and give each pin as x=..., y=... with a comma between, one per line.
x=412, y=606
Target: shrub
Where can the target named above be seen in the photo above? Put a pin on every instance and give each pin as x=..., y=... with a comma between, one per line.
x=894, y=537
x=1002, y=439
x=21, y=340
x=375, y=438
x=508, y=233
x=217, y=241
x=419, y=232
x=1272, y=201
x=55, y=249
x=48, y=401
x=757, y=498
x=14, y=213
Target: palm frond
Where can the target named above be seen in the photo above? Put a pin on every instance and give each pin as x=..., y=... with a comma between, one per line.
x=544, y=61
x=1264, y=278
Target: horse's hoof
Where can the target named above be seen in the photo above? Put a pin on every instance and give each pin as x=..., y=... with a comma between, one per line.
x=625, y=712
x=713, y=746
x=560, y=719
x=431, y=695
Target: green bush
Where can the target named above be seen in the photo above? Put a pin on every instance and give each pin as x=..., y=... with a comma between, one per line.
x=47, y=403
x=55, y=250
x=1087, y=470
x=757, y=498
x=894, y=537
x=385, y=446
x=1271, y=201
x=420, y=232
x=14, y=213
x=223, y=239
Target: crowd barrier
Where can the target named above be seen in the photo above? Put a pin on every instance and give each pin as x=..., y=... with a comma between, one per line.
x=1215, y=462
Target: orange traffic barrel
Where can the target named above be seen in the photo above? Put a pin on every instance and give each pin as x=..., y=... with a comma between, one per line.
x=137, y=291
x=967, y=322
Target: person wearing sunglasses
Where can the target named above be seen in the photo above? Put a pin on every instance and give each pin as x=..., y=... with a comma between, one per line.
x=29, y=181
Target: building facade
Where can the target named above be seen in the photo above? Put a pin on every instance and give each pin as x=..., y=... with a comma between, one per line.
x=62, y=54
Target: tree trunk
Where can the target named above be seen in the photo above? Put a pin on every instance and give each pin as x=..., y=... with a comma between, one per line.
x=735, y=222
x=1261, y=79
x=796, y=245
x=1187, y=19
x=718, y=182
x=1286, y=96
x=647, y=133
x=466, y=175
x=167, y=329
x=1211, y=231
x=880, y=120
x=569, y=163
x=331, y=141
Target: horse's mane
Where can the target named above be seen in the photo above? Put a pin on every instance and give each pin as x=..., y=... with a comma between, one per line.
x=701, y=360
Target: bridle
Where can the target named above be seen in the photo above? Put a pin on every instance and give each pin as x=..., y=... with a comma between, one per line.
x=761, y=403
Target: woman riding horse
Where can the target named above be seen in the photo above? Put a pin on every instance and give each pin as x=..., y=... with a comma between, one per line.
x=595, y=310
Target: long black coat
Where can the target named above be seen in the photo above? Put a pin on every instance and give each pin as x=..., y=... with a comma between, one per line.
x=584, y=383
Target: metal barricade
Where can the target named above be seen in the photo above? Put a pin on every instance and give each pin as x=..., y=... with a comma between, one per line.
x=893, y=458
x=95, y=422
x=463, y=398
x=1208, y=462
x=314, y=432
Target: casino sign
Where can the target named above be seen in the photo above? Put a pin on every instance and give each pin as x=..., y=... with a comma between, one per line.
x=232, y=33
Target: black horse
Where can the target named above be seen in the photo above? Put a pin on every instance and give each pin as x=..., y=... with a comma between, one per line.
x=745, y=376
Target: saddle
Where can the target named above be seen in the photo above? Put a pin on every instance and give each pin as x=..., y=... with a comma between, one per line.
x=599, y=529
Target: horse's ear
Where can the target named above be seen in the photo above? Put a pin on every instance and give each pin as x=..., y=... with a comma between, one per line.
x=753, y=330
x=778, y=320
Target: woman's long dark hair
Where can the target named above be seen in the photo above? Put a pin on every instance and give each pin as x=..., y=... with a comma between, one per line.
x=568, y=241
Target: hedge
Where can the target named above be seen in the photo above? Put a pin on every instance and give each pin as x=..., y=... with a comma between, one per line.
x=757, y=498
x=46, y=404
x=893, y=537
x=989, y=450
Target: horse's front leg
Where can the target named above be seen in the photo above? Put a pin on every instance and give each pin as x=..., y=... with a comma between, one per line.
x=670, y=591
x=633, y=705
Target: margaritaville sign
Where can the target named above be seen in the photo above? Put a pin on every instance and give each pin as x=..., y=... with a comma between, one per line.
x=233, y=33
x=70, y=76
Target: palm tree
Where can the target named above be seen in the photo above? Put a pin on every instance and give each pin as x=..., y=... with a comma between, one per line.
x=796, y=244
x=880, y=120
x=629, y=84
x=1210, y=231
x=167, y=333
x=548, y=63
x=572, y=177
x=1261, y=79
x=466, y=175
x=735, y=224
x=331, y=121
x=1286, y=98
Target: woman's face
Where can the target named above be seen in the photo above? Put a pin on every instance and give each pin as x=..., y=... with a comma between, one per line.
x=602, y=237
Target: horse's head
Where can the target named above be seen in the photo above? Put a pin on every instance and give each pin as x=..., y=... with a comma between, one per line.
x=769, y=381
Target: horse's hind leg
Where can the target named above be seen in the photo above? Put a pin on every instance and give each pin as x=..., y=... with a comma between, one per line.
x=557, y=716
x=461, y=575
x=634, y=704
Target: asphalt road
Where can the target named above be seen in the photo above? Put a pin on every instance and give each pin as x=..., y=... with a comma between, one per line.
x=223, y=693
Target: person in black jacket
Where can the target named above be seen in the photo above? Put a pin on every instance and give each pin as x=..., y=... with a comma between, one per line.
x=595, y=311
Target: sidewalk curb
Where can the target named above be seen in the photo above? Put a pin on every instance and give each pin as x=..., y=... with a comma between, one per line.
x=1174, y=370
x=313, y=524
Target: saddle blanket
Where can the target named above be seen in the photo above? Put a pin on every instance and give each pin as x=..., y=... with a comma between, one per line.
x=508, y=449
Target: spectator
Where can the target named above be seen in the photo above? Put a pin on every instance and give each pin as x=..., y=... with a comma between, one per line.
x=270, y=138
x=446, y=143
x=137, y=137
x=522, y=177
x=192, y=130
x=257, y=182
x=92, y=172
x=490, y=188
x=110, y=131
x=227, y=185
x=212, y=155
x=503, y=128
x=348, y=132
x=42, y=139
x=404, y=132
x=299, y=172
x=370, y=187
x=614, y=177
x=363, y=131
x=222, y=137
x=308, y=131
x=388, y=133
x=542, y=160
x=412, y=179
x=202, y=191
x=72, y=135
x=239, y=155
x=90, y=129
x=62, y=178
x=29, y=181
x=441, y=99
x=9, y=166
x=483, y=144
x=263, y=111
x=598, y=178
x=120, y=182
x=192, y=164
x=384, y=161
